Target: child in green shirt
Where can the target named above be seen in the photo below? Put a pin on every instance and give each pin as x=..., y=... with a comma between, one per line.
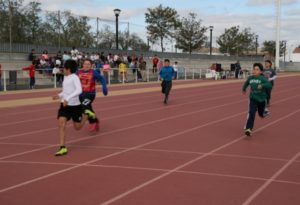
x=258, y=86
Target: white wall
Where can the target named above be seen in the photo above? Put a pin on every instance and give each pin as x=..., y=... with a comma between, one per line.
x=295, y=57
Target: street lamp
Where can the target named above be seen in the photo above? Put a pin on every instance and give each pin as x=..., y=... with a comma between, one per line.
x=256, y=45
x=284, y=51
x=117, y=13
x=210, y=46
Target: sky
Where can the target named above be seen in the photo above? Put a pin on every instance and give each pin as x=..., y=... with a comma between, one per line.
x=259, y=15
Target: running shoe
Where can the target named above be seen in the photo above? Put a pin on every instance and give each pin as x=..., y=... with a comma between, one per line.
x=90, y=114
x=248, y=132
x=62, y=151
x=266, y=114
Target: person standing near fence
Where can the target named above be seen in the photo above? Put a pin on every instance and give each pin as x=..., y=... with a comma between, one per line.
x=238, y=69
x=167, y=74
x=31, y=70
x=155, y=61
x=175, y=66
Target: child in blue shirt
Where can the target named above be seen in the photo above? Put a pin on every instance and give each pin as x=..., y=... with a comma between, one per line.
x=167, y=74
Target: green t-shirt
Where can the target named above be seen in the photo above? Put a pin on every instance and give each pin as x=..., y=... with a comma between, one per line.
x=255, y=93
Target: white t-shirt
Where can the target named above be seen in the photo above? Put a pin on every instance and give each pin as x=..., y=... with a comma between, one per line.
x=175, y=67
x=71, y=90
x=55, y=70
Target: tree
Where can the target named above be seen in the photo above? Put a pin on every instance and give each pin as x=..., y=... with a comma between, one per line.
x=12, y=18
x=33, y=21
x=161, y=22
x=236, y=42
x=190, y=35
x=270, y=47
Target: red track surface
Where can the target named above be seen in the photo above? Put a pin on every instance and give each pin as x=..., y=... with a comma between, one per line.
x=192, y=151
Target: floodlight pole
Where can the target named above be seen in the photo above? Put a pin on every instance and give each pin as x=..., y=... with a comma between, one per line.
x=278, y=17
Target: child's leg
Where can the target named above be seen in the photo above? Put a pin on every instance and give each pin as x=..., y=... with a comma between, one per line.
x=87, y=108
x=62, y=121
x=251, y=114
x=79, y=125
x=268, y=92
x=168, y=87
x=261, y=108
x=163, y=86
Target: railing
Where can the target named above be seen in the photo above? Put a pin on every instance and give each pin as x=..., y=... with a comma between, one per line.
x=19, y=79
x=26, y=48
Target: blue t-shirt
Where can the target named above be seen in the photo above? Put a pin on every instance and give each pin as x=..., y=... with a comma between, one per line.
x=167, y=73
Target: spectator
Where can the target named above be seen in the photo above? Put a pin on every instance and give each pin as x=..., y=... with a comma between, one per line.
x=74, y=52
x=155, y=63
x=31, y=70
x=32, y=55
x=57, y=74
x=106, y=69
x=122, y=72
x=238, y=69
x=175, y=67
x=45, y=55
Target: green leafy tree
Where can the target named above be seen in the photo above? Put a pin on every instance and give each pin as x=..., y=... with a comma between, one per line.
x=12, y=18
x=191, y=35
x=33, y=22
x=270, y=47
x=161, y=23
x=236, y=42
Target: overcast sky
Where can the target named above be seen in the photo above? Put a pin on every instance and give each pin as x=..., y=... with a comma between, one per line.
x=259, y=15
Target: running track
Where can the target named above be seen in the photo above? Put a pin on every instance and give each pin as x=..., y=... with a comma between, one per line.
x=192, y=151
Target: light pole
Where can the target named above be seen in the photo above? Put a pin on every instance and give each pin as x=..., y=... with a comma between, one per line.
x=117, y=13
x=284, y=51
x=278, y=19
x=256, y=44
x=210, y=45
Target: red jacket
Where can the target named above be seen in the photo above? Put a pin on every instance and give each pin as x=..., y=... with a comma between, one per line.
x=31, y=70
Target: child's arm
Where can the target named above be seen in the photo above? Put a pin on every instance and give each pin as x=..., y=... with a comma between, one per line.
x=274, y=76
x=265, y=84
x=103, y=82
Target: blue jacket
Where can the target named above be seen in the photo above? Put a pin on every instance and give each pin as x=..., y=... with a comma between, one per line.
x=167, y=73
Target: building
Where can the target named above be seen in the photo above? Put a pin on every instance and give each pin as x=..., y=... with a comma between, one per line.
x=295, y=56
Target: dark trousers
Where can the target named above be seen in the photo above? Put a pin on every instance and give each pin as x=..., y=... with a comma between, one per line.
x=237, y=72
x=253, y=107
x=268, y=92
x=86, y=103
x=166, y=88
x=32, y=82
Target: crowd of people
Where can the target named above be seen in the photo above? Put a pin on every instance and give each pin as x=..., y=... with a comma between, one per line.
x=123, y=62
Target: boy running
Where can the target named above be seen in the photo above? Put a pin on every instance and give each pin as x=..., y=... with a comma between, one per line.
x=258, y=85
x=166, y=73
x=70, y=104
x=88, y=78
x=270, y=74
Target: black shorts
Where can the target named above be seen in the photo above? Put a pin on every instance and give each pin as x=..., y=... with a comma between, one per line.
x=74, y=112
x=86, y=101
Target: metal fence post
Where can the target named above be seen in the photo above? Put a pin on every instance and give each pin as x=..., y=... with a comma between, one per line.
x=4, y=80
x=55, y=80
x=108, y=77
x=148, y=75
x=136, y=76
